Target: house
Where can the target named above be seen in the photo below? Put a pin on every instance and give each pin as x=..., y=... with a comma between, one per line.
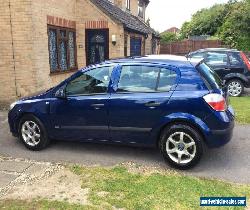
x=45, y=41
x=172, y=30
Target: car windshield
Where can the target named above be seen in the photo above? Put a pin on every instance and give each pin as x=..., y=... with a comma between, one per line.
x=211, y=77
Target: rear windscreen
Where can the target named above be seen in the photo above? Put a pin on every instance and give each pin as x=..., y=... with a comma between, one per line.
x=210, y=77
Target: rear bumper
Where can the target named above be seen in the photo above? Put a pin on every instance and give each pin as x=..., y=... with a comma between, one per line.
x=221, y=126
x=218, y=138
x=247, y=84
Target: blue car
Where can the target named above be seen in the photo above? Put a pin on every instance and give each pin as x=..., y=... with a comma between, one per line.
x=169, y=102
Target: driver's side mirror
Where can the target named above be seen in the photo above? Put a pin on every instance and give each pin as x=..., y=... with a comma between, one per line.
x=61, y=93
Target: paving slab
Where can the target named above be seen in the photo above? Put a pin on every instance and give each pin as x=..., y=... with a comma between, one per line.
x=5, y=179
x=36, y=169
x=13, y=166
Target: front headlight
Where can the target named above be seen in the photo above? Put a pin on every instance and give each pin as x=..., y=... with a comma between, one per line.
x=13, y=105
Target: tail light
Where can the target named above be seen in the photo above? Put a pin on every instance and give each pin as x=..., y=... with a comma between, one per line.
x=216, y=101
x=246, y=60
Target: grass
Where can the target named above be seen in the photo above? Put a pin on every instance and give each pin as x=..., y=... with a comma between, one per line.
x=241, y=107
x=116, y=187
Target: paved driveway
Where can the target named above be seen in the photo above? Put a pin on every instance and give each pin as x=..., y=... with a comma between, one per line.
x=231, y=162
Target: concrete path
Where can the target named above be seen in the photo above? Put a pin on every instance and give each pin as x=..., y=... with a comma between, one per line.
x=231, y=162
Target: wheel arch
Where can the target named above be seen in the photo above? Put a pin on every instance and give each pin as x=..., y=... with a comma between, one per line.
x=196, y=124
x=236, y=76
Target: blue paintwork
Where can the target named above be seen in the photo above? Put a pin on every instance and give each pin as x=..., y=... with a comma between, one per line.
x=125, y=118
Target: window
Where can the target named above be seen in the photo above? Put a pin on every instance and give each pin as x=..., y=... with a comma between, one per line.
x=128, y=4
x=216, y=59
x=198, y=55
x=146, y=79
x=95, y=81
x=210, y=77
x=235, y=59
x=62, y=49
x=140, y=9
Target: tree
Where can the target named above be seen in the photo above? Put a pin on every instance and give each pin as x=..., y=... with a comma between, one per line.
x=229, y=22
x=235, y=31
x=168, y=37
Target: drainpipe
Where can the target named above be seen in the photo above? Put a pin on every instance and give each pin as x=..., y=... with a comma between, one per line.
x=13, y=50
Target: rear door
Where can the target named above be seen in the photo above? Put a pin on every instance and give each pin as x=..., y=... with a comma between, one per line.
x=140, y=102
x=219, y=62
x=236, y=63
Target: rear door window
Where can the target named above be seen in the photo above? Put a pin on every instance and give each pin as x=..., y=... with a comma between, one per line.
x=217, y=59
x=146, y=79
x=210, y=77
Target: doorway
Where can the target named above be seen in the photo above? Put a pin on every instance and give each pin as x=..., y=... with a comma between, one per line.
x=97, y=45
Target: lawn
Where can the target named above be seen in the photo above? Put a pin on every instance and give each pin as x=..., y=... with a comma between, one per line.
x=120, y=188
x=116, y=187
x=241, y=107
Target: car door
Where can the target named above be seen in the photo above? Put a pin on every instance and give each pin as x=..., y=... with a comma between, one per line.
x=219, y=62
x=236, y=63
x=140, y=102
x=83, y=115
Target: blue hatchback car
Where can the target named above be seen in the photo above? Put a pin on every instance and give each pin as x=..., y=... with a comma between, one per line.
x=169, y=102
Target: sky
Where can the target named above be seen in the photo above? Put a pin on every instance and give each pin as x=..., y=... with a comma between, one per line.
x=165, y=14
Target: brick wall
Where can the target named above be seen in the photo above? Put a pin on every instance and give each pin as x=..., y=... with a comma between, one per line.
x=7, y=82
x=21, y=20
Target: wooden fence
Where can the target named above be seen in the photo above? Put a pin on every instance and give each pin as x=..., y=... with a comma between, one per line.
x=184, y=47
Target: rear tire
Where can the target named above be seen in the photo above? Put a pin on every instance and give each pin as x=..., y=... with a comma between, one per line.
x=33, y=133
x=235, y=87
x=181, y=146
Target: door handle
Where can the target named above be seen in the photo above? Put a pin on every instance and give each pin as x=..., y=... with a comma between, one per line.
x=152, y=104
x=97, y=105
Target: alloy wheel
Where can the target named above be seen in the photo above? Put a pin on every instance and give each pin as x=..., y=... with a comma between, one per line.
x=31, y=133
x=234, y=88
x=181, y=148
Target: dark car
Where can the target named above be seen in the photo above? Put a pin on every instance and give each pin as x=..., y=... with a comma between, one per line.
x=168, y=102
x=231, y=65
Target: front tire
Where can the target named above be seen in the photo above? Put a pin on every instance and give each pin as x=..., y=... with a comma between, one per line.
x=181, y=146
x=235, y=87
x=32, y=133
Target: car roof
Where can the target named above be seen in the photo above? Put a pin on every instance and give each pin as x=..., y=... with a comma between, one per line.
x=177, y=61
x=217, y=50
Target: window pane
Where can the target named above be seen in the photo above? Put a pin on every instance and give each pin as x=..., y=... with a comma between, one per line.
x=91, y=82
x=138, y=79
x=198, y=55
x=235, y=59
x=72, y=50
x=215, y=59
x=53, y=49
x=167, y=80
x=63, y=55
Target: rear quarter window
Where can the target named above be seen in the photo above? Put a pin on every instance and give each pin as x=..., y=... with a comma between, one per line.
x=210, y=77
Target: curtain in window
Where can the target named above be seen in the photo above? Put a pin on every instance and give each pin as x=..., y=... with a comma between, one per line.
x=71, y=50
x=63, y=51
x=53, y=50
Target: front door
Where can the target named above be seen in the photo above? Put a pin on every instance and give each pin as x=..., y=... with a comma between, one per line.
x=83, y=115
x=135, y=46
x=97, y=45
